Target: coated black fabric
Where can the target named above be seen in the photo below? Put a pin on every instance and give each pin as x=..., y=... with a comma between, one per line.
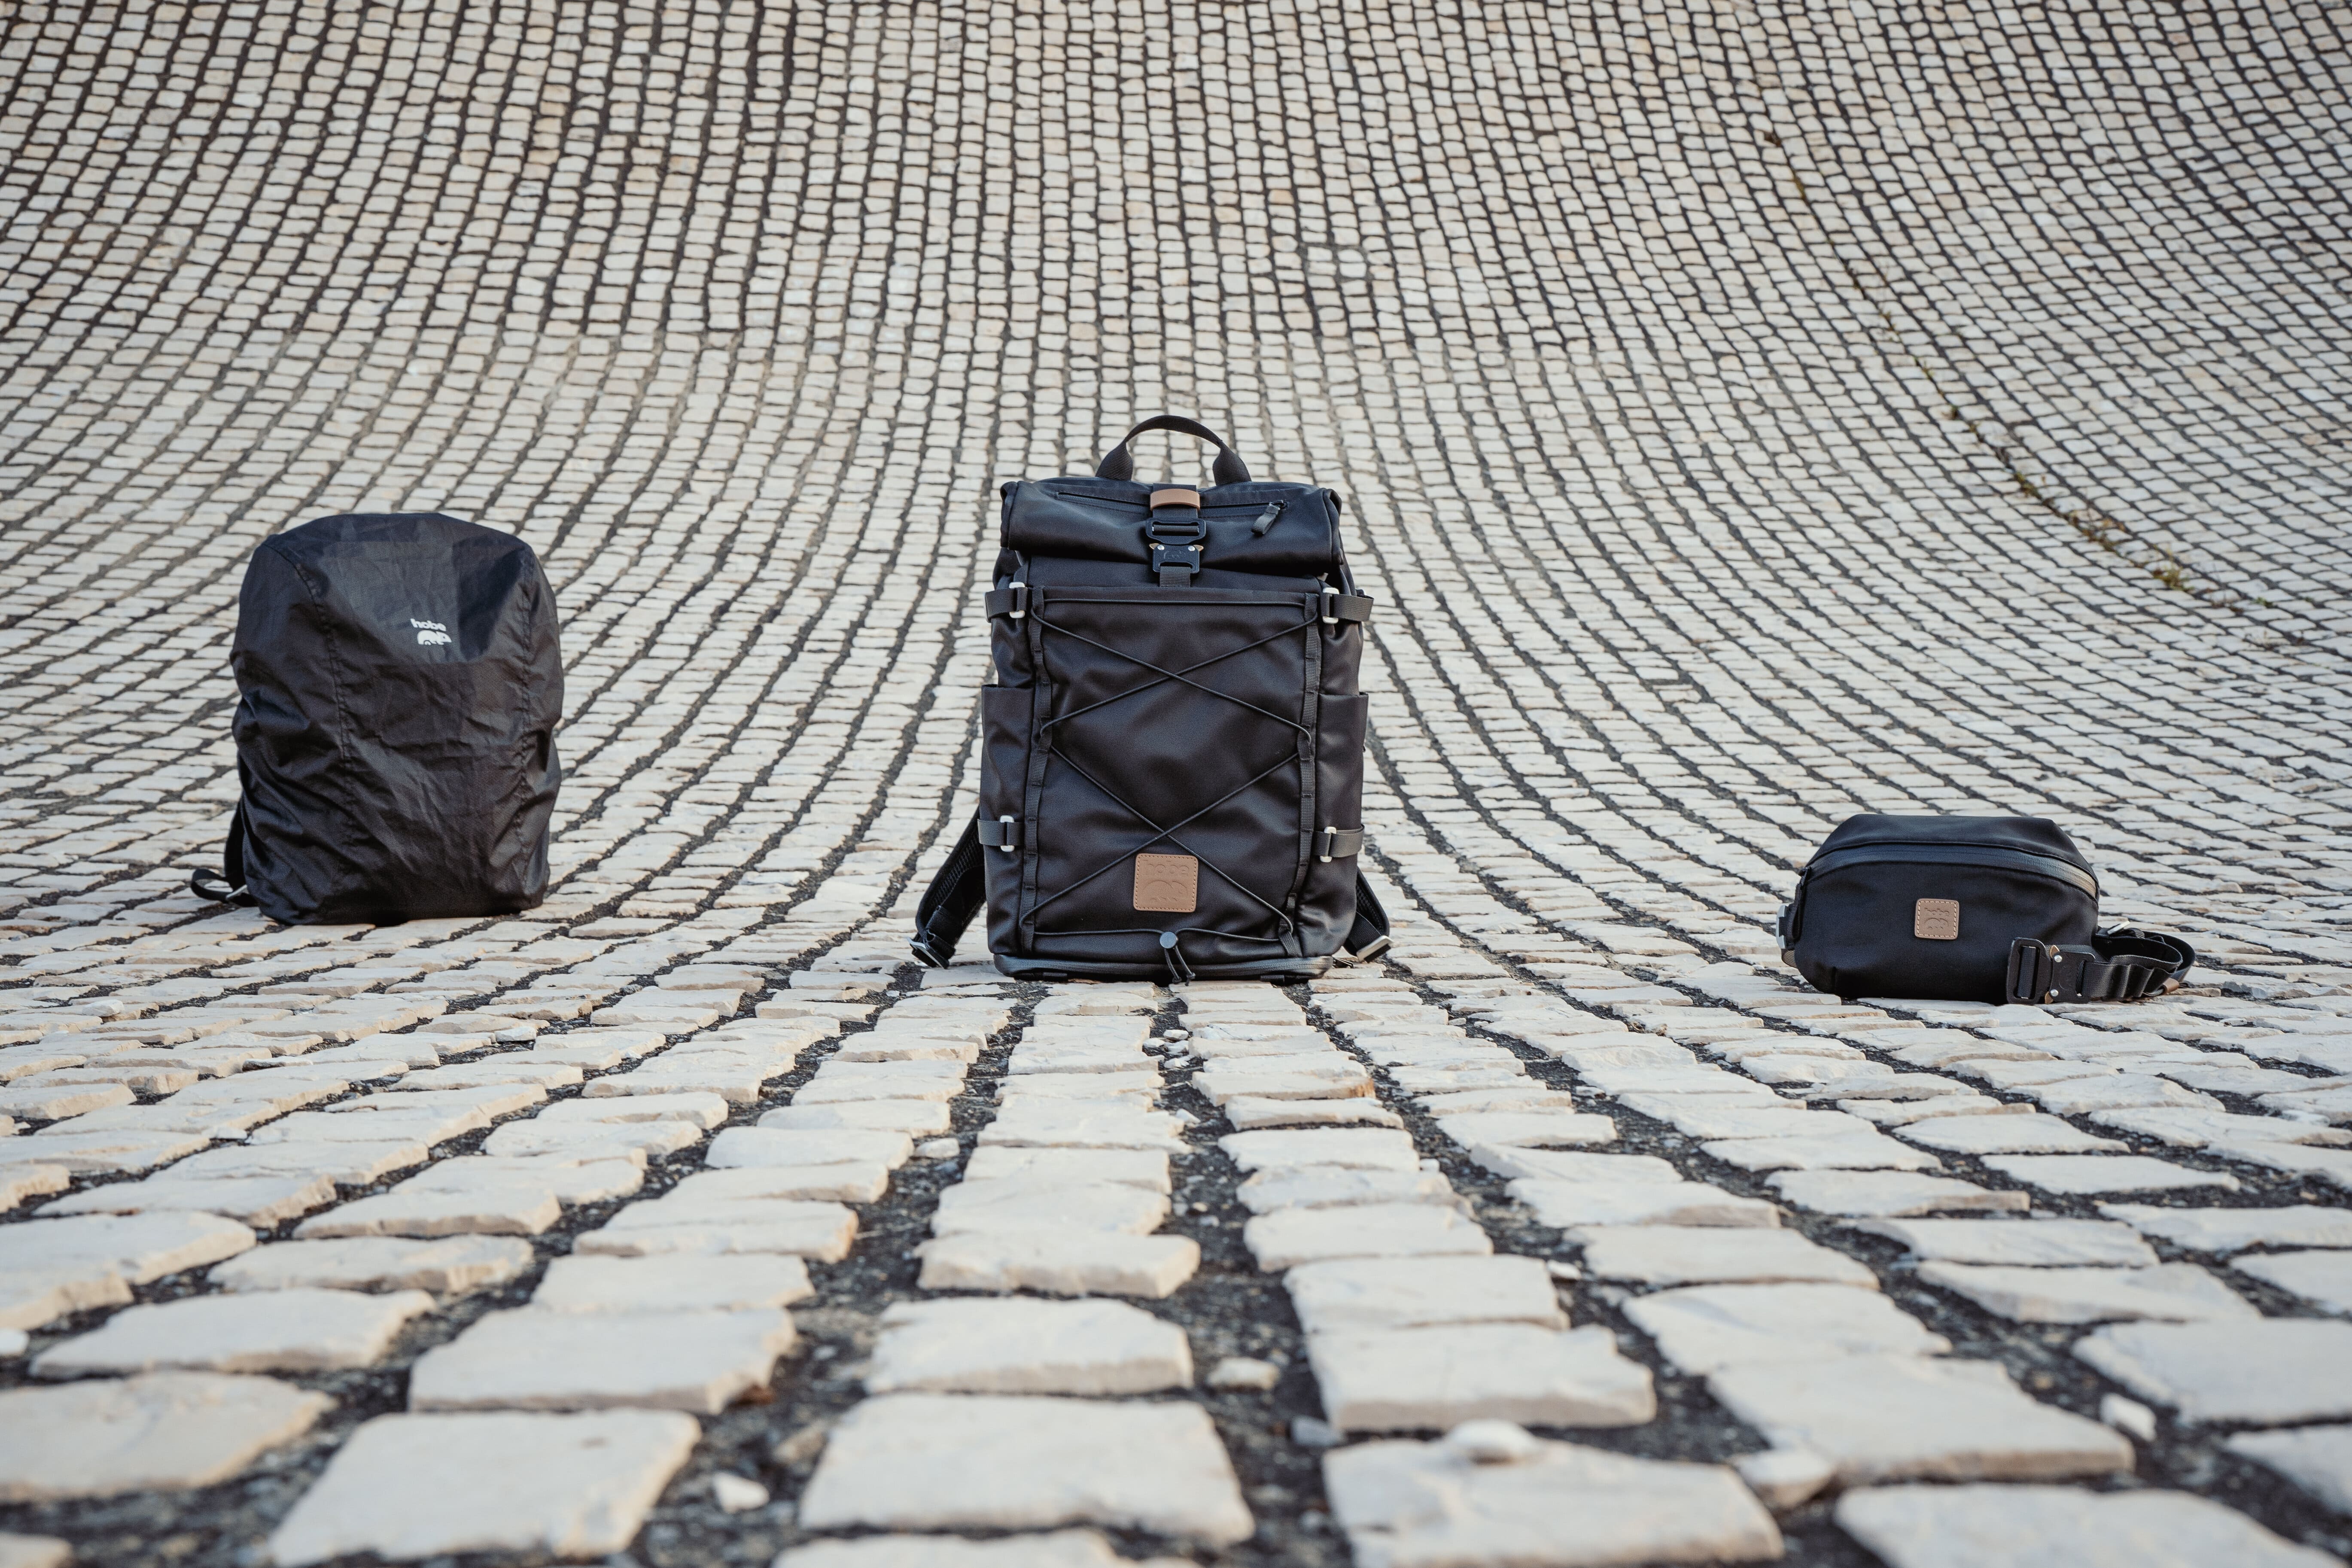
x=1934, y=908
x=399, y=685
x=1173, y=726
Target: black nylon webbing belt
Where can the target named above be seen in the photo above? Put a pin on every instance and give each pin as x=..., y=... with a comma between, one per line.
x=2120, y=965
x=957, y=893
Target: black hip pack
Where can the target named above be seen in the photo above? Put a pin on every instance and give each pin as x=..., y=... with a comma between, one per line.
x=1965, y=908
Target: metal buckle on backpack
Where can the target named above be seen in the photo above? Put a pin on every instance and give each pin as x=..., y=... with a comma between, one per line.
x=1019, y=610
x=1330, y=603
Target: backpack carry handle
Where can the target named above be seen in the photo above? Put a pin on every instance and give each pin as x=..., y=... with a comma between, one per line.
x=1118, y=463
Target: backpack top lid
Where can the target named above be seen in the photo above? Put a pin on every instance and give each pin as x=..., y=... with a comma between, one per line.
x=2031, y=834
x=1084, y=518
x=435, y=586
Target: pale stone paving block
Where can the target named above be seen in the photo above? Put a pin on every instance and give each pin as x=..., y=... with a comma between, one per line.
x=35, y=1552
x=1565, y=1165
x=907, y=1116
x=1869, y=1150
x=36, y=1101
x=298, y=1329
x=1705, y=1328
x=1062, y=1549
x=2083, y=1175
x=1892, y=1417
x=407, y=1488
x=1429, y=1505
x=1064, y=1263
x=447, y=1267
x=1033, y=1203
x=2037, y=1242
x=1288, y=1237
x=2233, y=1230
x=1673, y=1255
x=1396, y=1380
x=1363, y=1149
x=753, y=1146
x=573, y=1181
x=1083, y=1124
x=921, y=1461
x=18, y=1183
x=534, y=1359
x=1405, y=1292
x=349, y=1163
x=1027, y=1347
x=1334, y=1076
x=1570, y=1204
x=860, y=1183
x=256, y=1199
x=1146, y=1168
x=2169, y=1292
x=138, y=1247
x=2316, y=1459
x=2322, y=1279
x=699, y=1108
x=1331, y=1186
x=163, y=1432
x=1247, y=1113
x=1528, y=1129
x=819, y=1230
x=1532, y=1097
x=1966, y=1527
x=99, y=1153
x=2035, y=1133
x=858, y=1092
x=505, y=1210
x=1890, y=1193
x=672, y=1283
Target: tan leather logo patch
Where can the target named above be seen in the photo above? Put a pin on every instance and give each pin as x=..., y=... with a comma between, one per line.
x=1936, y=919
x=1168, y=884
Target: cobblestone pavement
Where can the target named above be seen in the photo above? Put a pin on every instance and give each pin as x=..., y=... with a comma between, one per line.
x=1748, y=415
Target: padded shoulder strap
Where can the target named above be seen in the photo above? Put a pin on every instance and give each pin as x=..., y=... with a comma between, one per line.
x=1118, y=463
x=948, y=905
x=225, y=886
x=1368, y=938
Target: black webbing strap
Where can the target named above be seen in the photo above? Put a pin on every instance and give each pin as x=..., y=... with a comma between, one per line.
x=1339, y=842
x=954, y=896
x=225, y=886
x=2119, y=966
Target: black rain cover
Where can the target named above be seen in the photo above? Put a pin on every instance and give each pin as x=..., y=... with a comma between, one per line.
x=399, y=687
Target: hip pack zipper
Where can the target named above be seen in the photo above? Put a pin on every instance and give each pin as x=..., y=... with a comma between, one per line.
x=2024, y=860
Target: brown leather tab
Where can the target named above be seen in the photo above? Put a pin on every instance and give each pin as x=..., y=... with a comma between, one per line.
x=1936, y=919
x=1175, y=497
x=1167, y=884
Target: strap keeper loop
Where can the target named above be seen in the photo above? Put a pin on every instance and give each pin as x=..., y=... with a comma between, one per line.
x=1339, y=842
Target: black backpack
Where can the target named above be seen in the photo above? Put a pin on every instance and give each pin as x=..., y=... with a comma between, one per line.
x=1172, y=751
x=399, y=685
x=1968, y=909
